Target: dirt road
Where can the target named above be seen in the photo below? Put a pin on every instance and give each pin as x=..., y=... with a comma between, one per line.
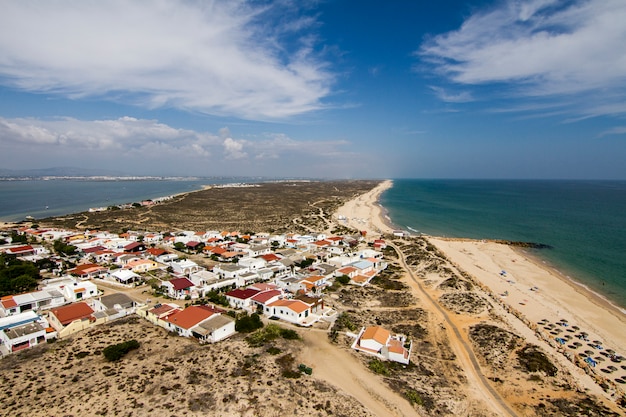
x=461, y=348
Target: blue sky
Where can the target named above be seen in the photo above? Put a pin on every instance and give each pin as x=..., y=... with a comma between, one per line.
x=420, y=89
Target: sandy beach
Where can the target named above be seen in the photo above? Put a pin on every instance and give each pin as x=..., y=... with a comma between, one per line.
x=365, y=213
x=540, y=304
x=551, y=305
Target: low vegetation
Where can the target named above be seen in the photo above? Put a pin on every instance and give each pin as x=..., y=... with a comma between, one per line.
x=115, y=352
x=248, y=323
x=269, y=333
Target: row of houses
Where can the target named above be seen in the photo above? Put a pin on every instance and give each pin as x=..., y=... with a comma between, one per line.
x=22, y=330
x=265, y=272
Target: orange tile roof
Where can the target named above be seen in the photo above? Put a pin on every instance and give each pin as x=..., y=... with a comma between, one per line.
x=360, y=278
x=8, y=302
x=69, y=313
x=314, y=278
x=294, y=305
x=376, y=333
x=190, y=316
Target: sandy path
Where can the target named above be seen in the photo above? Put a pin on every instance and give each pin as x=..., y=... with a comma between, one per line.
x=476, y=380
x=340, y=369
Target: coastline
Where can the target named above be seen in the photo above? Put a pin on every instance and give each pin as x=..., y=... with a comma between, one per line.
x=365, y=212
x=549, y=307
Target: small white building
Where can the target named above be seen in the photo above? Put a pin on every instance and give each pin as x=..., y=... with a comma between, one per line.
x=381, y=343
x=125, y=276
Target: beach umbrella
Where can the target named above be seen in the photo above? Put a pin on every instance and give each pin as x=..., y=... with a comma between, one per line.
x=575, y=327
x=563, y=320
x=610, y=351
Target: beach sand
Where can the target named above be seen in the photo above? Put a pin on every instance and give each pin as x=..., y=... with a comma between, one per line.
x=365, y=213
x=537, y=302
x=548, y=303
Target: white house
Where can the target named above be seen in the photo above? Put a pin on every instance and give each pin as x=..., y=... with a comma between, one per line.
x=379, y=342
x=21, y=331
x=125, y=276
x=252, y=264
x=215, y=328
x=293, y=311
x=241, y=298
x=184, y=267
x=179, y=288
x=206, y=281
x=36, y=300
x=77, y=291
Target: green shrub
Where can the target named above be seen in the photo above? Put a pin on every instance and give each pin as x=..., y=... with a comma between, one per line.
x=271, y=332
x=248, y=323
x=344, y=279
x=414, y=397
x=115, y=352
x=379, y=367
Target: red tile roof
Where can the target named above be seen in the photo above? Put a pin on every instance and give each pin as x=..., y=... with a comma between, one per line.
x=69, y=313
x=156, y=251
x=270, y=257
x=264, y=296
x=20, y=249
x=162, y=309
x=242, y=294
x=8, y=302
x=181, y=283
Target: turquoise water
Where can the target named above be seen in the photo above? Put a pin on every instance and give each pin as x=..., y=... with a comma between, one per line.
x=584, y=222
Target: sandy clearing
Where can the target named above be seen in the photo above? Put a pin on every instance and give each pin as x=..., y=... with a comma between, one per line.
x=340, y=369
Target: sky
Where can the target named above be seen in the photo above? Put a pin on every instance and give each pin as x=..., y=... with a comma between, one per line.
x=317, y=89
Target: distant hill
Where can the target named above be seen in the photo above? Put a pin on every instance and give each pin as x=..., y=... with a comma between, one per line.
x=59, y=172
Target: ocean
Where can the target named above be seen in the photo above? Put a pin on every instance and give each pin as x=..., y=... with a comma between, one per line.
x=45, y=198
x=583, y=222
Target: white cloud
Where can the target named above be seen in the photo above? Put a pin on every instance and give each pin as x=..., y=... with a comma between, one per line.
x=443, y=95
x=234, y=149
x=122, y=136
x=217, y=57
x=618, y=130
x=144, y=146
x=541, y=48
